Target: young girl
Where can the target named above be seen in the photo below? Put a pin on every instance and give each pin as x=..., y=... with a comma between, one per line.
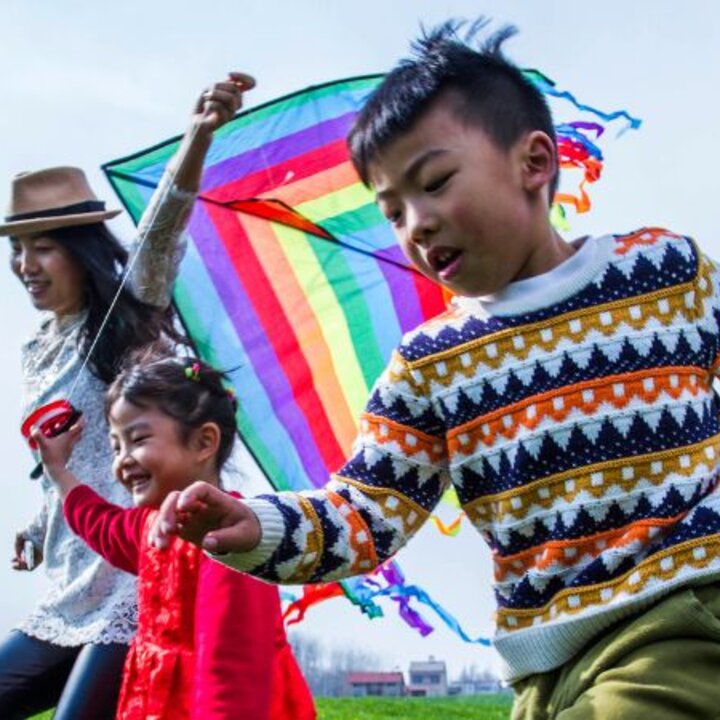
x=210, y=641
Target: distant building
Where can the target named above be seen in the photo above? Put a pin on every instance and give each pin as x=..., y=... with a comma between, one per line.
x=428, y=679
x=475, y=686
x=377, y=684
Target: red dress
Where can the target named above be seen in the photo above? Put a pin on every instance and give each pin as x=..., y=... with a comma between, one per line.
x=210, y=642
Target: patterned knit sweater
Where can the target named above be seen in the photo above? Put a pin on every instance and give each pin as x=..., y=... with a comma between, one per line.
x=577, y=421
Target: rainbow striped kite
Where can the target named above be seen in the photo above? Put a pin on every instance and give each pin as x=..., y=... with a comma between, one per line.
x=293, y=280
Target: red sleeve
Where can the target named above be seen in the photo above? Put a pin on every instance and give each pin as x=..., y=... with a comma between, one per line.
x=111, y=531
x=235, y=625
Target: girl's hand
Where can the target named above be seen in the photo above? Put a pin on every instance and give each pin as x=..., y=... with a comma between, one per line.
x=19, y=561
x=208, y=517
x=219, y=103
x=55, y=451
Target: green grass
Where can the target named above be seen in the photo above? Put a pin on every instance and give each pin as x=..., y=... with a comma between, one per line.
x=481, y=707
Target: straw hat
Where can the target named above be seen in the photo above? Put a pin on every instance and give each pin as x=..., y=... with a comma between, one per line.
x=54, y=198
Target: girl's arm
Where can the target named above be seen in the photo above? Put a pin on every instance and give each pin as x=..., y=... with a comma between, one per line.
x=160, y=243
x=111, y=531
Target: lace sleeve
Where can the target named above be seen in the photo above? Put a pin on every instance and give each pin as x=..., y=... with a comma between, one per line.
x=162, y=243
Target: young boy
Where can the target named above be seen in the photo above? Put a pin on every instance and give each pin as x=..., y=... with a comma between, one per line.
x=567, y=396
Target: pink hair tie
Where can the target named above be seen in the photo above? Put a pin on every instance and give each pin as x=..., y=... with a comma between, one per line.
x=193, y=372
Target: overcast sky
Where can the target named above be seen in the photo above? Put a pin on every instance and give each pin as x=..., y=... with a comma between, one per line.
x=83, y=82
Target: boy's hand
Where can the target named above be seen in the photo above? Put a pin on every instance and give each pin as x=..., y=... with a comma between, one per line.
x=55, y=451
x=208, y=517
x=219, y=103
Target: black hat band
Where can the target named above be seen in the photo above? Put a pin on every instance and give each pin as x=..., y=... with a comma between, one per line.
x=89, y=206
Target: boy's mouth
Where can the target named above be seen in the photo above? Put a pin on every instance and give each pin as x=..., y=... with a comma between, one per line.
x=444, y=261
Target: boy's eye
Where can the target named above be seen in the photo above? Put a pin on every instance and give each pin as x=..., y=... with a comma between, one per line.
x=437, y=182
x=392, y=215
x=139, y=439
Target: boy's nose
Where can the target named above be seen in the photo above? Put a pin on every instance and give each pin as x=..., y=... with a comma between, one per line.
x=421, y=224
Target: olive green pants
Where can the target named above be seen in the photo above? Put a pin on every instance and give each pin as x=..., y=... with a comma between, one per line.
x=663, y=664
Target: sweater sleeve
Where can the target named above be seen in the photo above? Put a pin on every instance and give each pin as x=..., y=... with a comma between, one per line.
x=235, y=644
x=113, y=532
x=161, y=243
x=371, y=507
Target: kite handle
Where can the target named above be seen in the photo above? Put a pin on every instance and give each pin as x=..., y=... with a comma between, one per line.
x=51, y=419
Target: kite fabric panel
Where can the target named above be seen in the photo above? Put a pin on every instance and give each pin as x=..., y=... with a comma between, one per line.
x=294, y=284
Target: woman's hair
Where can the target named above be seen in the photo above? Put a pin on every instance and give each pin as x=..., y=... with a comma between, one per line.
x=132, y=324
x=185, y=389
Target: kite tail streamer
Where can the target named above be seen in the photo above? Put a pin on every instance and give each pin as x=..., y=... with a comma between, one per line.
x=547, y=86
x=365, y=591
x=449, y=529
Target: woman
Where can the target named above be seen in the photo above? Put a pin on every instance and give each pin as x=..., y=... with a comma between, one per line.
x=69, y=652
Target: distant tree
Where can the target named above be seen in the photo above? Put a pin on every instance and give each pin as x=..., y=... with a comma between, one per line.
x=326, y=670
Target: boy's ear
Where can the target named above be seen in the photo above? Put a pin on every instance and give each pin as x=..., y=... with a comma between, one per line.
x=206, y=440
x=539, y=161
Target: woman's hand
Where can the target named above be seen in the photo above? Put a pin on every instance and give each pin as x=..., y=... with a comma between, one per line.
x=208, y=517
x=219, y=103
x=20, y=560
x=215, y=106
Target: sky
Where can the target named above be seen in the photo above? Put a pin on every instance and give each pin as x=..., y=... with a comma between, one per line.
x=83, y=83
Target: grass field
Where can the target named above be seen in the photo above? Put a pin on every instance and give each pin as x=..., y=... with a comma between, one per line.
x=482, y=707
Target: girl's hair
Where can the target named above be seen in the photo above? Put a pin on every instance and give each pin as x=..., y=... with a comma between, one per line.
x=132, y=324
x=185, y=389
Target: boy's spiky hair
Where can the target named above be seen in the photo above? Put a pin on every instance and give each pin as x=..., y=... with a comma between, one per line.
x=488, y=90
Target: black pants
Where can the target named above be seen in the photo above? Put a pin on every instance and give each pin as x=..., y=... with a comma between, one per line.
x=82, y=682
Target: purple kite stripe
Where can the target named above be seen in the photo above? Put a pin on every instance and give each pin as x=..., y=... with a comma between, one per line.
x=402, y=288
x=276, y=152
x=242, y=315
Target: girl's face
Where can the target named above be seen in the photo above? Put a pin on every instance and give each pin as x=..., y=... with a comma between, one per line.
x=53, y=278
x=151, y=459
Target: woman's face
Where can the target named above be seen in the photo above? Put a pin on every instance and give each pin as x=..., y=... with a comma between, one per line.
x=54, y=280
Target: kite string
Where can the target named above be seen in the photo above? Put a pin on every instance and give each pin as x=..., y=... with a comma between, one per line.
x=165, y=191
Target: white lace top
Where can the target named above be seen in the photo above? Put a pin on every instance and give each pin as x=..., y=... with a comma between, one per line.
x=89, y=601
